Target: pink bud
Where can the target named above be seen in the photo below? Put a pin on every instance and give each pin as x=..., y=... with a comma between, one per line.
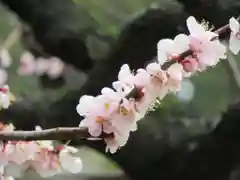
x=189, y=65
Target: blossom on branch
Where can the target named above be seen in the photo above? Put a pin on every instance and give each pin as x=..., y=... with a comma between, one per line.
x=18, y=156
x=114, y=114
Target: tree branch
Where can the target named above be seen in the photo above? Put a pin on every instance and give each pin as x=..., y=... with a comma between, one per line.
x=59, y=133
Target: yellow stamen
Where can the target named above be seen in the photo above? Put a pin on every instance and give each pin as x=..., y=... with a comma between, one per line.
x=123, y=110
x=107, y=106
x=99, y=119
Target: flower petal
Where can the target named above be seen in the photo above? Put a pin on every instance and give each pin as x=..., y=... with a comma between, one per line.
x=70, y=163
x=163, y=47
x=85, y=105
x=234, y=25
x=195, y=29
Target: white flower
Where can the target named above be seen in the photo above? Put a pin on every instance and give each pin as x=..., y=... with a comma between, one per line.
x=234, y=42
x=56, y=67
x=46, y=164
x=168, y=49
x=69, y=162
x=163, y=47
x=42, y=66
x=3, y=156
x=175, y=73
x=207, y=51
x=27, y=64
x=97, y=112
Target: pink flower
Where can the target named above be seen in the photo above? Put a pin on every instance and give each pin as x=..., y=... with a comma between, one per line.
x=46, y=164
x=22, y=152
x=56, y=67
x=207, y=51
x=158, y=76
x=234, y=42
x=190, y=65
x=164, y=47
x=68, y=161
x=124, y=119
x=170, y=49
x=175, y=76
x=42, y=66
x=98, y=111
x=127, y=80
x=27, y=64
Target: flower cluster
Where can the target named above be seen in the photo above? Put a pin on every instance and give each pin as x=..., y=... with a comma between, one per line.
x=115, y=112
x=18, y=156
x=30, y=65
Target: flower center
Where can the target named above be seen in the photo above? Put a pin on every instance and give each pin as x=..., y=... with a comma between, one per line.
x=100, y=119
x=123, y=111
x=106, y=106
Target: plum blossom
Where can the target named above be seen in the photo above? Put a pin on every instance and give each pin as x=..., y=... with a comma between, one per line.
x=127, y=81
x=16, y=157
x=46, y=164
x=53, y=67
x=234, y=42
x=97, y=113
x=30, y=65
x=68, y=161
x=56, y=67
x=27, y=64
x=169, y=49
x=114, y=115
x=175, y=76
x=206, y=48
